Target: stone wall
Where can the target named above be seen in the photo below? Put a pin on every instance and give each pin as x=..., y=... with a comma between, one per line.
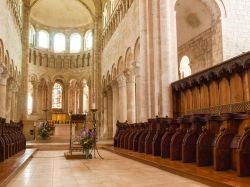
x=10, y=34
x=123, y=38
x=235, y=28
x=198, y=50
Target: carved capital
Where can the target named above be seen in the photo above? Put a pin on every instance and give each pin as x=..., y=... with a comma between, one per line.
x=3, y=75
x=130, y=76
x=121, y=80
x=114, y=84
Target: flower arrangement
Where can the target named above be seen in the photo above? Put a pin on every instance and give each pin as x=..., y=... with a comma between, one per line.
x=44, y=130
x=87, y=138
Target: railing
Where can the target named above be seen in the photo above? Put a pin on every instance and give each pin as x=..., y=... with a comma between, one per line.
x=49, y=59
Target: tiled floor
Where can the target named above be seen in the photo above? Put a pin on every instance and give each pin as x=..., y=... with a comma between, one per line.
x=49, y=168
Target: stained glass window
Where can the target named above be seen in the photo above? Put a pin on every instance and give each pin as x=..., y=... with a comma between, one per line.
x=57, y=96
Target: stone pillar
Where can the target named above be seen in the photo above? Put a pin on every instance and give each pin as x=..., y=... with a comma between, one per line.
x=51, y=41
x=110, y=110
x=142, y=79
x=122, y=98
x=3, y=82
x=67, y=43
x=49, y=95
x=105, y=115
x=66, y=98
x=8, y=101
x=37, y=38
x=131, y=106
x=115, y=104
x=35, y=97
x=22, y=105
x=80, y=90
x=13, y=103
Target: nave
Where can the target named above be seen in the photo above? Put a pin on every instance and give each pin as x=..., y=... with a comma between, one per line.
x=49, y=168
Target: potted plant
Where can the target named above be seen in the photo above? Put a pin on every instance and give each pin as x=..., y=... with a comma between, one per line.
x=87, y=140
x=44, y=131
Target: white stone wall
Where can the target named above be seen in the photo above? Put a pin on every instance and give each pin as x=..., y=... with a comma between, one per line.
x=10, y=34
x=124, y=37
x=236, y=28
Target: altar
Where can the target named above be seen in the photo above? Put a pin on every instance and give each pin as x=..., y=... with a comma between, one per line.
x=64, y=130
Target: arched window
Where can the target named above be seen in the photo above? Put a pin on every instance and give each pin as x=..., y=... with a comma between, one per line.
x=59, y=43
x=185, y=69
x=89, y=40
x=105, y=15
x=21, y=8
x=75, y=43
x=113, y=4
x=43, y=39
x=32, y=33
x=57, y=94
x=30, y=103
x=85, y=99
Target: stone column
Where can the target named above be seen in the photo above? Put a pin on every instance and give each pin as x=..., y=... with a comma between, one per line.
x=66, y=98
x=80, y=90
x=67, y=43
x=110, y=110
x=22, y=105
x=131, y=106
x=122, y=98
x=3, y=82
x=13, y=103
x=37, y=38
x=115, y=104
x=8, y=102
x=51, y=41
x=49, y=95
x=35, y=97
x=142, y=79
x=105, y=115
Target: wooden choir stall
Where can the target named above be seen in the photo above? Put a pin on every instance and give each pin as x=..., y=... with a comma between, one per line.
x=211, y=123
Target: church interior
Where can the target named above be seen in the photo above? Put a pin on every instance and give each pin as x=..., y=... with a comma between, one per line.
x=161, y=88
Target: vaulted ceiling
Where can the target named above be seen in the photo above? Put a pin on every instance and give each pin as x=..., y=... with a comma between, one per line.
x=65, y=13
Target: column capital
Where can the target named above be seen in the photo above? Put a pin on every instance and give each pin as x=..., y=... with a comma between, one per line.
x=114, y=84
x=34, y=83
x=121, y=80
x=104, y=92
x=66, y=85
x=3, y=75
x=109, y=91
x=130, y=76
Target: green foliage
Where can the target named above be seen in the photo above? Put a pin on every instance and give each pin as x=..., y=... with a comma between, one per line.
x=44, y=131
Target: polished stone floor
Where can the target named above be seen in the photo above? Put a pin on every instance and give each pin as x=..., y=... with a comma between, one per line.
x=49, y=168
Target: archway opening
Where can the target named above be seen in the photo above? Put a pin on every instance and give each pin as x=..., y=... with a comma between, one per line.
x=185, y=69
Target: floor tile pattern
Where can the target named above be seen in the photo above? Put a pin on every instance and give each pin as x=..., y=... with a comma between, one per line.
x=50, y=169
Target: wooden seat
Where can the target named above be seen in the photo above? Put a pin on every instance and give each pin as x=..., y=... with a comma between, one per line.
x=166, y=138
x=177, y=138
x=150, y=136
x=161, y=126
x=191, y=137
x=142, y=138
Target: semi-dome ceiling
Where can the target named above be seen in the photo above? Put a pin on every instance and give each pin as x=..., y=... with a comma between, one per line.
x=62, y=13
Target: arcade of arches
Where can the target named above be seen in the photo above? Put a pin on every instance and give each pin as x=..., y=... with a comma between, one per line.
x=119, y=56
